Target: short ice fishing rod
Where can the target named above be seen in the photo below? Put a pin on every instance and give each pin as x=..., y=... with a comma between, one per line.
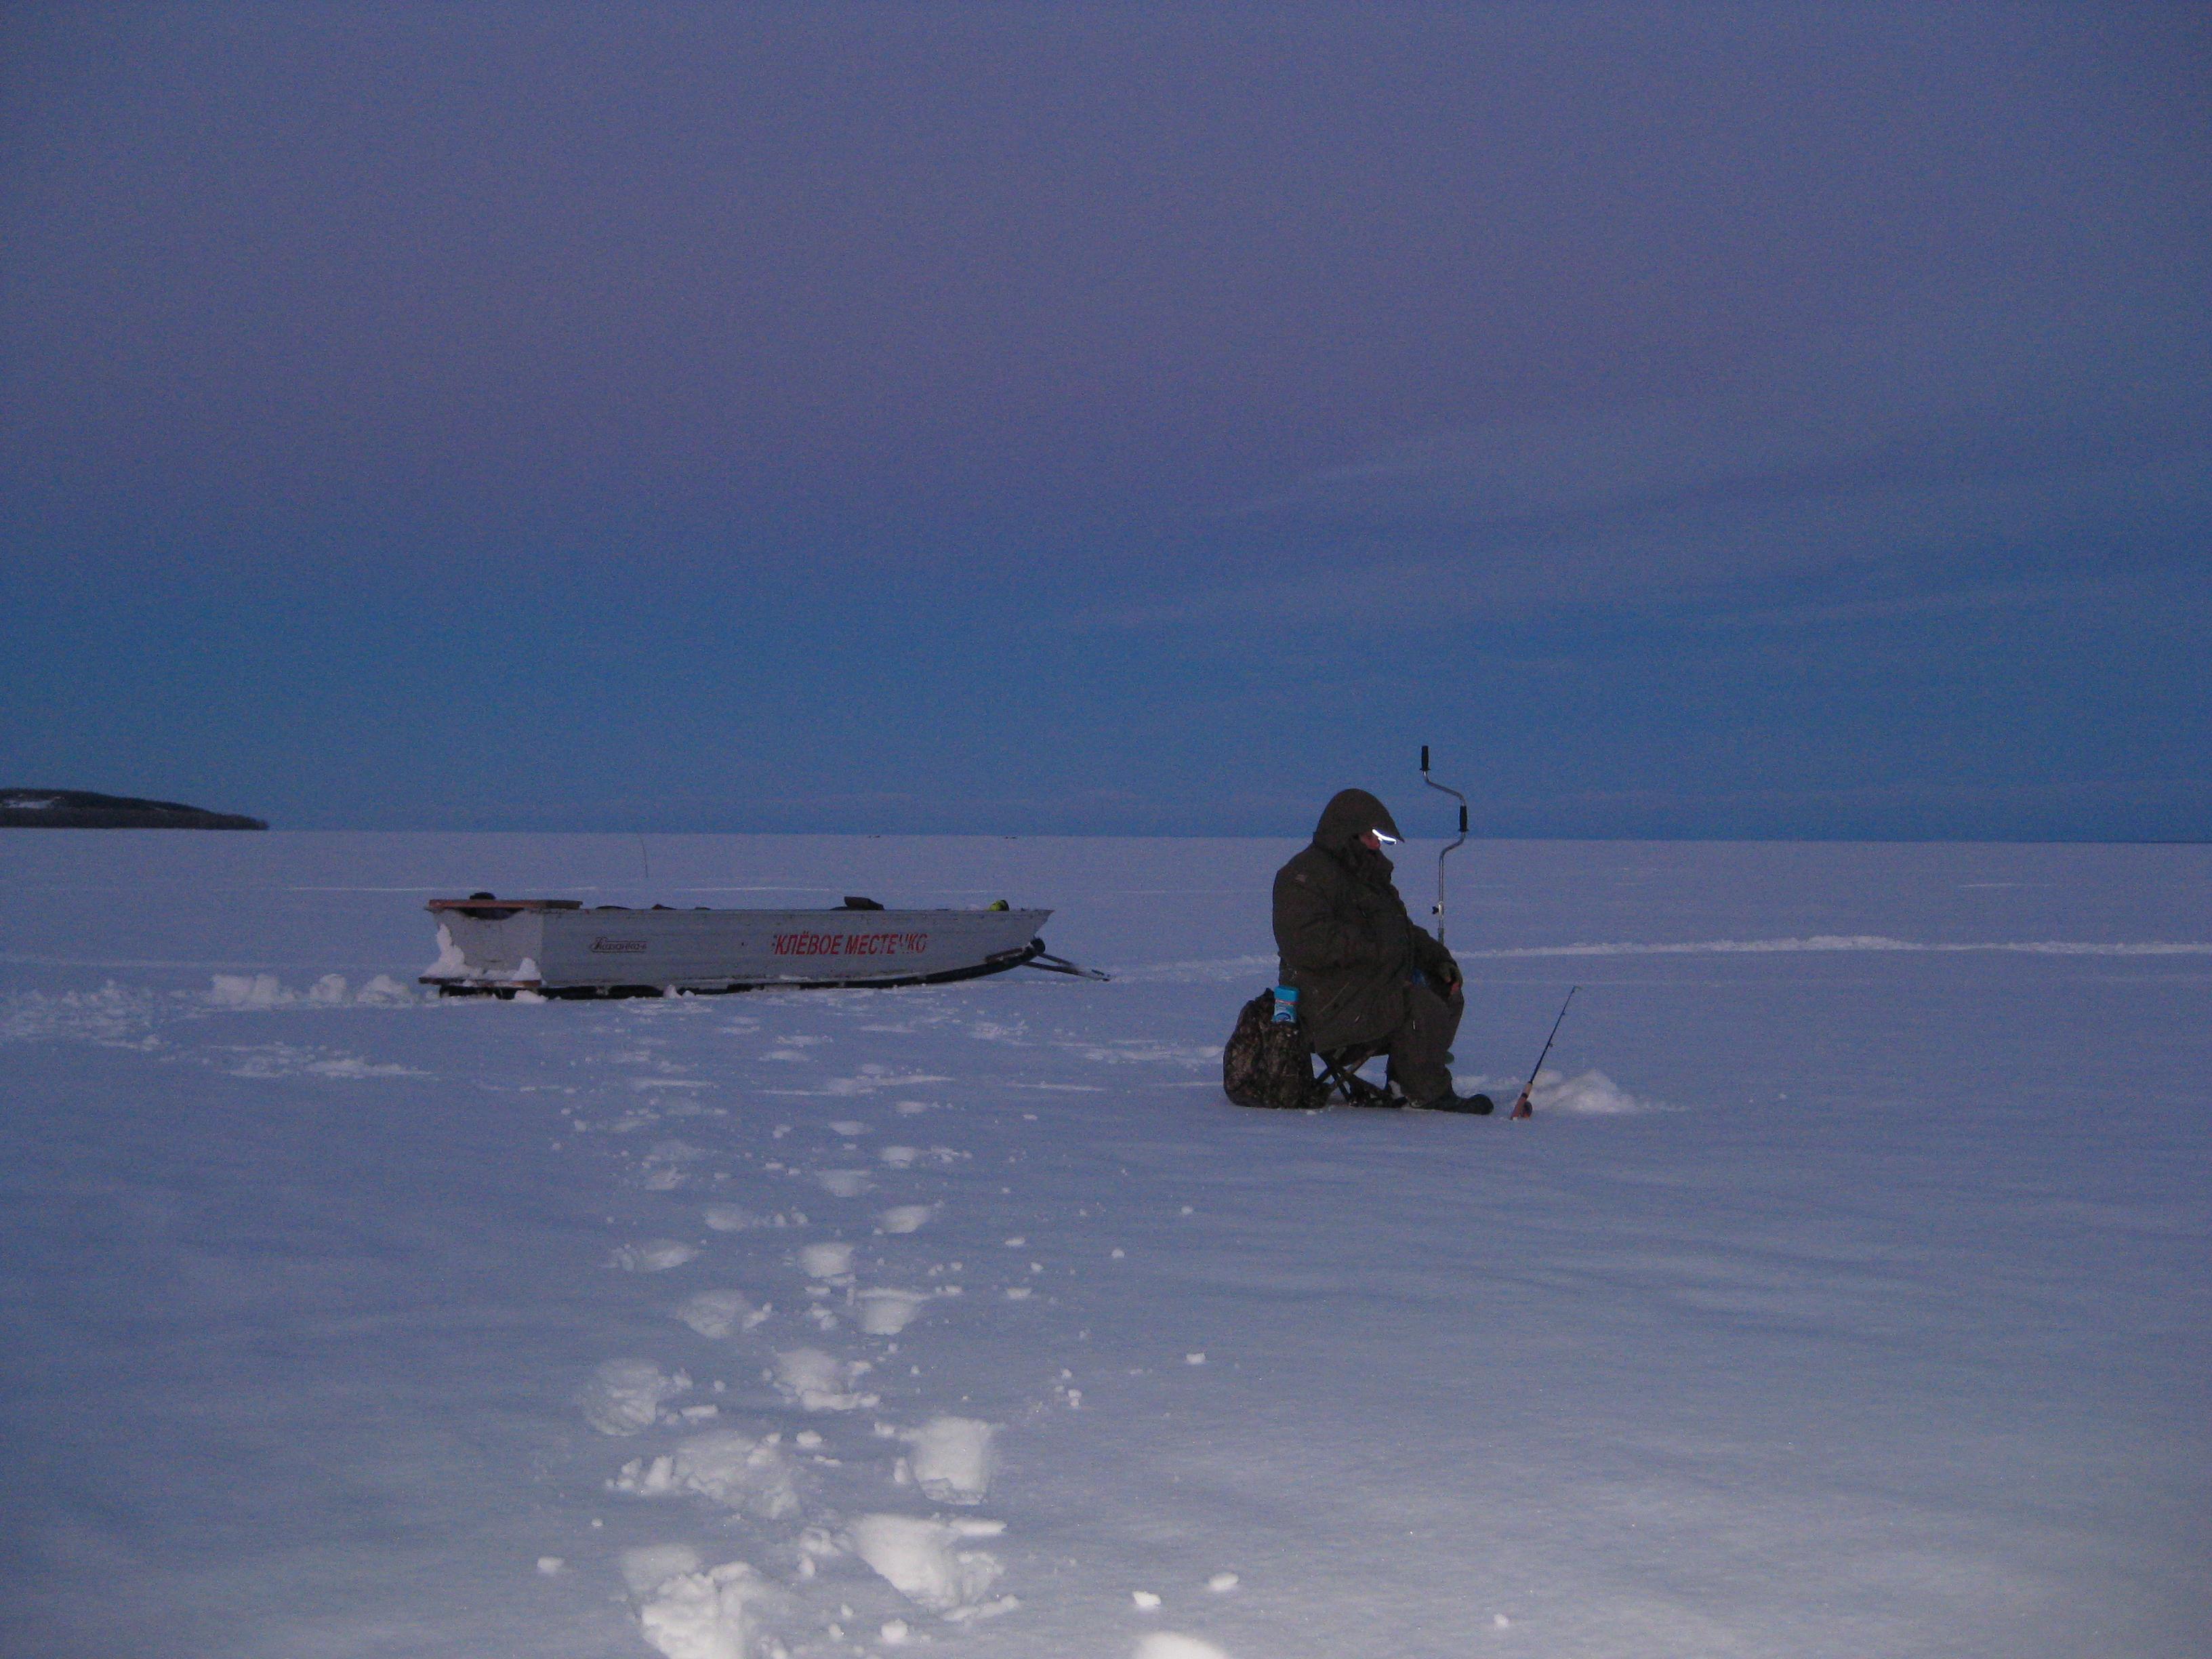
x=1520, y=1107
x=1439, y=911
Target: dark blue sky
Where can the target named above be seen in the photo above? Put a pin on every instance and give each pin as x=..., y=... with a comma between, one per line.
x=1691, y=421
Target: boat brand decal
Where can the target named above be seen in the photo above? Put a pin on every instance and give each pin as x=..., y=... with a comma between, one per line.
x=849, y=945
x=606, y=946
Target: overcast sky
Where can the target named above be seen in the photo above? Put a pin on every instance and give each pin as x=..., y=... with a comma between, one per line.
x=1688, y=420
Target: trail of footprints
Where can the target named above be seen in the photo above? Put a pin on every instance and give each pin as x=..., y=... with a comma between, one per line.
x=816, y=1575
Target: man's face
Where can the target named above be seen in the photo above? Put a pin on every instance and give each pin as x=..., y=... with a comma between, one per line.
x=1373, y=840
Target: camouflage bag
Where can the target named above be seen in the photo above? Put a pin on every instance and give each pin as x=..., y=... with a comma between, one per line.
x=1268, y=1064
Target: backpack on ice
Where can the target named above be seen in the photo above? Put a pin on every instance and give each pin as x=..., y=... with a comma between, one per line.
x=1268, y=1064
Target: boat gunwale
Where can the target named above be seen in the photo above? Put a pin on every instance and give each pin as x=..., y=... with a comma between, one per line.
x=471, y=906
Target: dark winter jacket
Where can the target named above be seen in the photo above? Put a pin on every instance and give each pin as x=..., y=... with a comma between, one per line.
x=1346, y=940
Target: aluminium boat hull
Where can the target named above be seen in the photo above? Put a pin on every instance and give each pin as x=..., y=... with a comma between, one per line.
x=555, y=947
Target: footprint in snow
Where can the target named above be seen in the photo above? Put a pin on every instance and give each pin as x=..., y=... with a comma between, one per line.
x=717, y=1313
x=655, y=1255
x=817, y=1381
x=952, y=1459
x=1171, y=1645
x=625, y=1396
x=736, y=1219
x=276, y=1060
x=662, y=1170
x=753, y=1477
x=885, y=1312
x=925, y=1561
x=685, y=1611
x=826, y=1260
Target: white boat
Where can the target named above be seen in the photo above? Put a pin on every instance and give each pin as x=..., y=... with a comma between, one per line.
x=557, y=947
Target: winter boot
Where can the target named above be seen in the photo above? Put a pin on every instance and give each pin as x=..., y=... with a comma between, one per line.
x=1474, y=1105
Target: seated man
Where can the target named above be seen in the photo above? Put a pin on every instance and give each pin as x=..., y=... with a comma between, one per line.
x=1365, y=975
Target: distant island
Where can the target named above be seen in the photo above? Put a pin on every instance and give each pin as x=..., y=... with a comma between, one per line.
x=82, y=809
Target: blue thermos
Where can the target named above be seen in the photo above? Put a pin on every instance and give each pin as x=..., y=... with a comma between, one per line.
x=1286, y=1005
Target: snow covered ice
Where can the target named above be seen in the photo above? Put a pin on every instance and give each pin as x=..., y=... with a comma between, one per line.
x=1850, y=1293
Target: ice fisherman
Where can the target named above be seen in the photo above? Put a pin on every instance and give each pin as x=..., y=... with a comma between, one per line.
x=1366, y=975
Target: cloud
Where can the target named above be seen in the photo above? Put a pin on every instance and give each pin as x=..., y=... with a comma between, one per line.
x=1967, y=601
x=2095, y=809
x=1909, y=462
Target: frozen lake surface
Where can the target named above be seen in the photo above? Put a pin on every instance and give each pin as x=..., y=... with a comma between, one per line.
x=1850, y=1294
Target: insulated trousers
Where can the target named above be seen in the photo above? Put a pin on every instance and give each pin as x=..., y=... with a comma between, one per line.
x=1420, y=1049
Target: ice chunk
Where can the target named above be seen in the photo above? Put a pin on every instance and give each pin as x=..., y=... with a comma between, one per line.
x=952, y=1459
x=701, y=1614
x=888, y=1312
x=717, y=1314
x=1171, y=1645
x=1593, y=1093
x=733, y=1469
x=248, y=991
x=817, y=1382
x=450, y=964
x=625, y=1396
x=906, y=1217
x=825, y=1260
x=922, y=1558
x=655, y=1255
x=662, y=1170
x=646, y=1569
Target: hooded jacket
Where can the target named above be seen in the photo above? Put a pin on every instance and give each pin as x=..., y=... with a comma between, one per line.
x=1346, y=940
